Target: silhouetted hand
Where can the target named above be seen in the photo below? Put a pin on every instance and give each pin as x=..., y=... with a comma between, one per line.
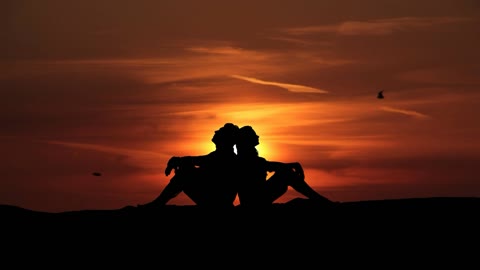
x=173, y=164
x=297, y=168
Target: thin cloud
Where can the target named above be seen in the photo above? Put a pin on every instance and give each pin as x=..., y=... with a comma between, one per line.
x=225, y=50
x=200, y=62
x=444, y=75
x=103, y=148
x=290, y=87
x=139, y=158
x=295, y=41
x=405, y=112
x=376, y=27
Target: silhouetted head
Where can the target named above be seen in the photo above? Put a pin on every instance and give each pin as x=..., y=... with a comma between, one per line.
x=247, y=137
x=225, y=137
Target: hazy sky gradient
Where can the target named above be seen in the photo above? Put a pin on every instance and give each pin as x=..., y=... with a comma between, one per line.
x=119, y=87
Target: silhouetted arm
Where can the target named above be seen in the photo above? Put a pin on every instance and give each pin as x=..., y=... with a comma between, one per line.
x=273, y=166
x=176, y=163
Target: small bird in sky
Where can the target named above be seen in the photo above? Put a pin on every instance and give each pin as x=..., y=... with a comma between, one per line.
x=380, y=94
x=96, y=174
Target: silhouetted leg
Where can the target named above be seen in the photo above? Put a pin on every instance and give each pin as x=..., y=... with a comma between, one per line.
x=276, y=185
x=279, y=182
x=194, y=186
x=299, y=184
x=186, y=180
x=171, y=190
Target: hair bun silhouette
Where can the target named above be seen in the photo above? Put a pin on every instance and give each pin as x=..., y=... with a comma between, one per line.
x=247, y=136
x=226, y=134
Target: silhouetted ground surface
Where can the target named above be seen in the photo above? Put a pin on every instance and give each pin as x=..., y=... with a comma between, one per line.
x=295, y=232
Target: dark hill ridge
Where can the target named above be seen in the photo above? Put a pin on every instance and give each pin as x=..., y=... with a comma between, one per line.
x=297, y=210
x=297, y=232
x=435, y=205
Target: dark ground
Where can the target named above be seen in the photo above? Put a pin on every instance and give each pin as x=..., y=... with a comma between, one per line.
x=298, y=232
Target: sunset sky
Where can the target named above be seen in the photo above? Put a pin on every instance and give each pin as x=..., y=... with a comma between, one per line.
x=118, y=87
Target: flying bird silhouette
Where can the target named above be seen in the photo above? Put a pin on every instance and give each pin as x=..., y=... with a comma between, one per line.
x=96, y=174
x=380, y=94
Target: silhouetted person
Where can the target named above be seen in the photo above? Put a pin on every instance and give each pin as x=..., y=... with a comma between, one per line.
x=207, y=180
x=254, y=190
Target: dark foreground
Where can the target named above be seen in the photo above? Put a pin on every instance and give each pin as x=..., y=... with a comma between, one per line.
x=295, y=231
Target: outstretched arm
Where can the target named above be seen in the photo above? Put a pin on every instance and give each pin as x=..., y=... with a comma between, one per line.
x=296, y=167
x=175, y=163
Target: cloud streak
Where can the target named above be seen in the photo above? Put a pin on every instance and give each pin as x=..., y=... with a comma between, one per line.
x=138, y=158
x=102, y=148
x=290, y=87
x=221, y=50
x=405, y=112
x=376, y=27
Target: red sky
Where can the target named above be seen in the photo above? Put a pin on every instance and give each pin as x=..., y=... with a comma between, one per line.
x=119, y=87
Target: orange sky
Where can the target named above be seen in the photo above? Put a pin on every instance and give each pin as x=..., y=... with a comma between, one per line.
x=121, y=86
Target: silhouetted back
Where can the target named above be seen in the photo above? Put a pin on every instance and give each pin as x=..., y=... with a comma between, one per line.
x=252, y=169
x=217, y=178
x=220, y=165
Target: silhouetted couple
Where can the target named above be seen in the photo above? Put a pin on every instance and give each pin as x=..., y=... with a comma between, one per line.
x=215, y=179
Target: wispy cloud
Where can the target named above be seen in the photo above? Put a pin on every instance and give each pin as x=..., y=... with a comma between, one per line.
x=135, y=157
x=450, y=74
x=376, y=27
x=199, y=62
x=405, y=112
x=103, y=148
x=291, y=40
x=225, y=50
x=207, y=60
x=290, y=87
